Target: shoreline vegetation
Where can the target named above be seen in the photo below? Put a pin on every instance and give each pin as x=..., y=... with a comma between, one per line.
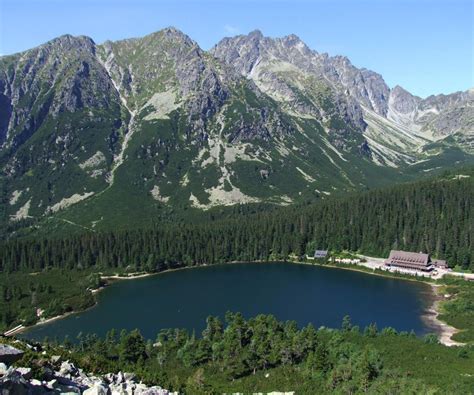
x=442, y=329
x=224, y=358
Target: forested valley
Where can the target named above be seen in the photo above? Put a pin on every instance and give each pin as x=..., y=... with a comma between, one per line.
x=57, y=273
x=435, y=216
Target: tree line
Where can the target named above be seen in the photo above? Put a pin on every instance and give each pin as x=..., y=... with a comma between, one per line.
x=327, y=360
x=433, y=216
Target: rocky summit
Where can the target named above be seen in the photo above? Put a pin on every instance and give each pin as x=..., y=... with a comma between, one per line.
x=95, y=135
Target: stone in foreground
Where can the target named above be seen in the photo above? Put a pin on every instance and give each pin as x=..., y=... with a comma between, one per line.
x=9, y=354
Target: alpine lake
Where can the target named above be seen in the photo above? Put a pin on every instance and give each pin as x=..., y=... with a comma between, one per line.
x=306, y=294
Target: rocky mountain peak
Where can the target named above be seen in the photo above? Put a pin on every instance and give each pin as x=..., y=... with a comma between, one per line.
x=68, y=42
x=397, y=89
x=294, y=42
x=171, y=34
x=402, y=101
x=245, y=52
x=255, y=34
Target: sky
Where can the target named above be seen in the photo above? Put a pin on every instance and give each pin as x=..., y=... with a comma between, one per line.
x=426, y=46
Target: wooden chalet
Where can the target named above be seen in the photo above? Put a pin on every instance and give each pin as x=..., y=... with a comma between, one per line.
x=413, y=261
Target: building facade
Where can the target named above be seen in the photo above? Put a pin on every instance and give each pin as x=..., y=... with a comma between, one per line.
x=413, y=261
x=320, y=254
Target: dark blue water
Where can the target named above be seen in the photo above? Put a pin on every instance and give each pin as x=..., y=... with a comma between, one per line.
x=304, y=293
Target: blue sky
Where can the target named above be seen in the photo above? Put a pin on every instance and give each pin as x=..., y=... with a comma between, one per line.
x=426, y=46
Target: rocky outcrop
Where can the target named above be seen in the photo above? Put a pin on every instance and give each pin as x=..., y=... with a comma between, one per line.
x=9, y=354
x=53, y=375
x=58, y=376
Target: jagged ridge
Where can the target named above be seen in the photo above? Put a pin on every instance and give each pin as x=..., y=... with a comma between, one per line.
x=140, y=125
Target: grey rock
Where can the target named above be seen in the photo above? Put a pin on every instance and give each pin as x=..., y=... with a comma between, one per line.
x=55, y=359
x=441, y=115
x=68, y=369
x=3, y=369
x=352, y=90
x=403, y=101
x=129, y=376
x=36, y=383
x=9, y=354
x=119, y=378
x=47, y=373
x=67, y=389
x=26, y=373
x=52, y=384
x=153, y=391
x=120, y=389
x=254, y=57
x=13, y=383
x=264, y=92
x=97, y=389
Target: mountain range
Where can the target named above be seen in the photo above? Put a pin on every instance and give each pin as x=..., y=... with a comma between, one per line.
x=92, y=136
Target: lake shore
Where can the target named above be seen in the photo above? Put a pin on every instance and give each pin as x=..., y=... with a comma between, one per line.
x=366, y=270
x=442, y=329
x=116, y=277
x=45, y=321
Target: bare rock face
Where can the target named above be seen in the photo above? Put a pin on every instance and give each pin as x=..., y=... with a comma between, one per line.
x=366, y=87
x=440, y=115
x=61, y=75
x=403, y=101
x=278, y=65
x=262, y=58
x=448, y=114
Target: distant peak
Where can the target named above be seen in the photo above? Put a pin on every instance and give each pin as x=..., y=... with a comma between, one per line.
x=68, y=41
x=70, y=38
x=256, y=33
x=292, y=40
x=172, y=30
x=400, y=94
x=292, y=37
x=400, y=90
x=171, y=33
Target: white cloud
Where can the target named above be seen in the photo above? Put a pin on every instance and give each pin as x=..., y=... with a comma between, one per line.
x=231, y=29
